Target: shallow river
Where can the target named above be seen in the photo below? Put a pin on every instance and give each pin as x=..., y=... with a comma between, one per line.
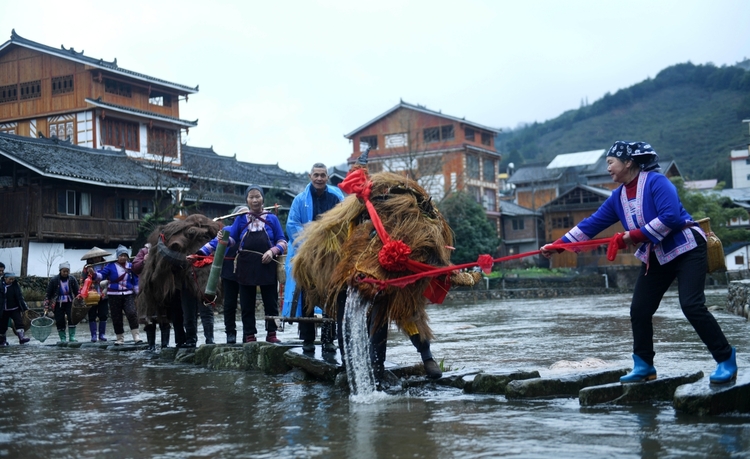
x=82, y=403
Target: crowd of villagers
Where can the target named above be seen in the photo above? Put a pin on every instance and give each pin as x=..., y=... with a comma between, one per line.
x=384, y=243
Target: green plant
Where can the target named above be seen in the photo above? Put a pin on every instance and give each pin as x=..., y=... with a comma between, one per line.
x=30, y=294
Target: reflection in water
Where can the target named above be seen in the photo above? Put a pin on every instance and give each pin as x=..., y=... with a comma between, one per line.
x=91, y=403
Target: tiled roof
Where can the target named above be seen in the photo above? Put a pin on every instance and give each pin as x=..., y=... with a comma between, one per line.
x=60, y=159
x=536, y=173
x=510, y=209
x=206, y=163
x=735, y=246
x=133, y=111
x=422, y=109
x=73, y=55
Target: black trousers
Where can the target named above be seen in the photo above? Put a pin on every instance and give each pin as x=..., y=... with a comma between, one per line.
x=248, y=294
x=192, y=307
x=99, y=310
x=119, y=304
x=690, y=271
x=63, y=310
x=15, y=315
x=307, y=329
x=176, y=317
x=231, y=291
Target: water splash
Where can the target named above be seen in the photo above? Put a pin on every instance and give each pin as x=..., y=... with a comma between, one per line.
x=357, y=350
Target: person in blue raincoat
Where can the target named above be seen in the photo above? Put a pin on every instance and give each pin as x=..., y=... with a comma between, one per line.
x=317, y=198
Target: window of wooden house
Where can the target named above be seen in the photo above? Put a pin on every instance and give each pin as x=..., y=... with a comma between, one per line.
x=518, y=224
x=8, y=93
x=62, y=130
x=438, y=134
x=375, y=167
x=486, y=139
x=9, y=128
x=747, y=160
x=431, y=135
x=160, y=99
x=488, y=170
x=368, y=141
x=118, y=88
x=472, y=166
x=447, y=133
x=475, y=192
x=127, y=209
x=62, y=85
x=430, y=165
x=739, y=260
x=147, y=206
x=469, y=134
x=490, y=199
x=30, y=89
x=71, y=202
x=396, y=140
x=162, y=142
x=561, y=222
x=120, y=133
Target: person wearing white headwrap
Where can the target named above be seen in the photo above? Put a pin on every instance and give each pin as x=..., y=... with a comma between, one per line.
x=60, y=293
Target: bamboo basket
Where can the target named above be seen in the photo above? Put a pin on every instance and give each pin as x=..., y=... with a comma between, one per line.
x=79, y=310
x=716, y=260
x=281, y=269
x=28, y=316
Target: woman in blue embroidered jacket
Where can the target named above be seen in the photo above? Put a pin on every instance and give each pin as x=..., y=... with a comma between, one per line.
x=672, y=246
x=259, y=240
x=123, y=285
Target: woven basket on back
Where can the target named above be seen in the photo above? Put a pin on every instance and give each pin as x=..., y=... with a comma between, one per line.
x=715, y=249
x=28, y=316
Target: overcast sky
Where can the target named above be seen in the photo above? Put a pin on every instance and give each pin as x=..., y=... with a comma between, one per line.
x=282, y=82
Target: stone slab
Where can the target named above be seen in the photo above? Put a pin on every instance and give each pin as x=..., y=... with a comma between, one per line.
x=705, y=399
x=168, y=353
x=660, y=389
x=496, y=382
x=203, y=353
x=228, y=358
x=564, y=386
x=320, y=369
x=458, y=378
x=271, y=359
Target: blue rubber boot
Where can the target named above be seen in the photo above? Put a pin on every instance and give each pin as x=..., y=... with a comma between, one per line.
x=641, y=372
x=726, y=371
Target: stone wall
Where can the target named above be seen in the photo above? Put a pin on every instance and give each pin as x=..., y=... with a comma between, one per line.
x=738, y=300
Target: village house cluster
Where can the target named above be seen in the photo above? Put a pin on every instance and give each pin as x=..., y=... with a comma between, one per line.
x=89, y=148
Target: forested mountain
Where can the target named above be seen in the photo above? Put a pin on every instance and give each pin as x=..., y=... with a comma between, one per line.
x=690, y=113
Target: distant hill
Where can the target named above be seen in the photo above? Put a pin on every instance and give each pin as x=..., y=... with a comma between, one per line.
x=690, y=113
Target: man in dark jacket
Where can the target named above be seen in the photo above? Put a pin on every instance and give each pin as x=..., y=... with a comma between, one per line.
x=13, y=306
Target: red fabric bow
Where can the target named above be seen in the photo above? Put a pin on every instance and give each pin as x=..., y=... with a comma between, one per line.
x=616, y=243
x=394, y=256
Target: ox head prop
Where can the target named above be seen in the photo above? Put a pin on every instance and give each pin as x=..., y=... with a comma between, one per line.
x=167, y=268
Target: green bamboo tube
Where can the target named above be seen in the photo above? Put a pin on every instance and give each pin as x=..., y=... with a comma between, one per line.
x=215, y=274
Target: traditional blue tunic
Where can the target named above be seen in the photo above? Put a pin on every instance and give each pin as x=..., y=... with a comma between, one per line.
x=656, y=210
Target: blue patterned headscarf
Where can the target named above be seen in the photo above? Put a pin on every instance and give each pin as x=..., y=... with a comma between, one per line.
x=639, y=152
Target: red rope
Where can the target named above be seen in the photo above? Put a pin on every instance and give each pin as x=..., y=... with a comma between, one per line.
x=486, y=261
x=395, y=254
